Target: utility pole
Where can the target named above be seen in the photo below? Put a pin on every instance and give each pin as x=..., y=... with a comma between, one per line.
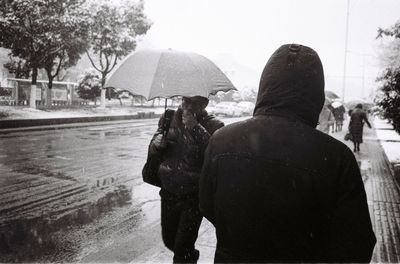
x=363, y=77
x=364, y=55
x=345, y=51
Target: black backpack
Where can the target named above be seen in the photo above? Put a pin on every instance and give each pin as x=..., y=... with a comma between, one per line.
x=150, y=169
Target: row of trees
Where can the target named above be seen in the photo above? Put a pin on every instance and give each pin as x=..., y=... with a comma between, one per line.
x=54, y=34
x=389, y=96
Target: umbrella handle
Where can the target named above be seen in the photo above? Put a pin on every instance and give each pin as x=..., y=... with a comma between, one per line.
x=165, y=107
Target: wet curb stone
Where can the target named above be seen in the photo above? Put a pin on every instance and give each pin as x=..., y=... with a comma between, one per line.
x=394, y=168
x=17, y=123
x=7, y=126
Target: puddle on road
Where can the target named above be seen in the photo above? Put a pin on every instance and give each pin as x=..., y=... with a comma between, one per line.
x=32, y=240
x=33, y=168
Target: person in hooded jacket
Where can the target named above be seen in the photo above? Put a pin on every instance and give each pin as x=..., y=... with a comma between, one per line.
x=182, y=149
x=278, y=190
x=357, y=119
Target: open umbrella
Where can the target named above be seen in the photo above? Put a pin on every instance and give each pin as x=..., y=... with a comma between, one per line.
x=168, y=73
x=336, y=103
x=327, y=101
x=331, y=95
x=353, y=102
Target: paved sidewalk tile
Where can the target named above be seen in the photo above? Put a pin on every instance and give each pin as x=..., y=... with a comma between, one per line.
x=382, y=194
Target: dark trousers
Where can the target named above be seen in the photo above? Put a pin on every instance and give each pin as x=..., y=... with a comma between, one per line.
x=180, y=223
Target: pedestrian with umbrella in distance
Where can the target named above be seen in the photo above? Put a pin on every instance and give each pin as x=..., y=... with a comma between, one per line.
x=338, y=112
x=175, y=154
x=357, y=119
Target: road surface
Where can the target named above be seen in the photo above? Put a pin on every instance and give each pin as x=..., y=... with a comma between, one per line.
x=76, y=194
x=73, y=192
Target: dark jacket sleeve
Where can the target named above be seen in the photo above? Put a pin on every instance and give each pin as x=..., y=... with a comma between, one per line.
x=152, y=149
x=352, y=236
x=208, y=186
x=203, y=131
x=366, y=120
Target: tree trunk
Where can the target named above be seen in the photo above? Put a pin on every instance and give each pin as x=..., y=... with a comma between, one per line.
x=32, y=98
x=103, y=92
x=48, y=94
x=103, y=98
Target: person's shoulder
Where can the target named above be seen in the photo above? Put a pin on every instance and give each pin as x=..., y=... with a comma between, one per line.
x=232, y=129
x=329, y=142
x=212, y=122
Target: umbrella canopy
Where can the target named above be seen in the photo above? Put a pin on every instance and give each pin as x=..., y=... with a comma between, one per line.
x=330, y=94
x=168, y=73
x=327, y=101
x=336, y=103
x=353, y=103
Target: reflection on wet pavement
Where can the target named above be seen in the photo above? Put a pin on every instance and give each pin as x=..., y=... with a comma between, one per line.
x=51, y=180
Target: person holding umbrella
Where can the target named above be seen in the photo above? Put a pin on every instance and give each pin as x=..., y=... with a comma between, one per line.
x=339, y=117
x=182, y=147
x=175, y=155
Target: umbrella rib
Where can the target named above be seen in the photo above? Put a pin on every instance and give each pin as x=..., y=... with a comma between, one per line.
x=155, y=74
x=199, y=70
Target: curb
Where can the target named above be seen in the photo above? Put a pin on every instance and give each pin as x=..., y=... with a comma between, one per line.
x=393, y=167
x=7, y=126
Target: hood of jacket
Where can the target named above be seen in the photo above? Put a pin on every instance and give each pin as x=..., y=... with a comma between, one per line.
x=292, y=84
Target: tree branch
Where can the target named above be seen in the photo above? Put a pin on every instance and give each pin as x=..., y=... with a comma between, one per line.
x=101, y=53
x=115, y=63
x=101, y=59
x=108, y=62
x=91, y=61
x=59, y=64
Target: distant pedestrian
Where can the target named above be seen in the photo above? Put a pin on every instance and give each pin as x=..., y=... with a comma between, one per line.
x=331, y=121
x=324, y=117
x=339, y=117
x=278, y=190
x=357, y=119
x=181, y=151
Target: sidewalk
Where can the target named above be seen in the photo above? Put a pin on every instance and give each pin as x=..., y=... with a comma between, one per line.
x=390, y=142
x=379, y=153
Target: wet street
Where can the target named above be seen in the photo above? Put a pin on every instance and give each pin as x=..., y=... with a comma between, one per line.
x=76, y=195
x=69, y=194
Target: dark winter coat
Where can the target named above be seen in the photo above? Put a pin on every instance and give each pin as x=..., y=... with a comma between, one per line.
x=339, y=113
x=357, y=120
x=277, y=189
x=180, y=171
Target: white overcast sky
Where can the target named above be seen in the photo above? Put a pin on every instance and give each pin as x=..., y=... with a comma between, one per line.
x=249, y=31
